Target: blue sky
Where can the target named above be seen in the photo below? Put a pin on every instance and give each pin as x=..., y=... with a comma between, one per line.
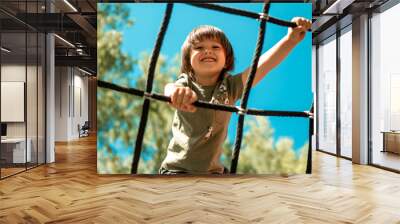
x=287, y=87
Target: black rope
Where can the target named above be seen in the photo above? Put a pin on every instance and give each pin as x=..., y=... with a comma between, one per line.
x=149, y=86
x=244, y=13
x=246, y=93
x=310, y=134
x=204, y=104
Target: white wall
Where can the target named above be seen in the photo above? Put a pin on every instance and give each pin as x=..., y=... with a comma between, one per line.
x=12, y=73
x=34, y=125
x=61, y=103
x=71, y=94
x=13, y=101
x=80, y=101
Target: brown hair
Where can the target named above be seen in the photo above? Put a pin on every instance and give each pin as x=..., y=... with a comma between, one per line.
x=203, y=33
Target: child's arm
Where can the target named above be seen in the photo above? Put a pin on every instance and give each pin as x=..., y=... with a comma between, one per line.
x=279, y=51
x=181, y=97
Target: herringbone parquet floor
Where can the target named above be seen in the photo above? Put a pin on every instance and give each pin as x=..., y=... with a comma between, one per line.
x=70, y=191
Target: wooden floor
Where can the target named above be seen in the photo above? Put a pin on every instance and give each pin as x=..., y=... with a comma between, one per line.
x=387, y=159
x=70, y=191
x=10, y=171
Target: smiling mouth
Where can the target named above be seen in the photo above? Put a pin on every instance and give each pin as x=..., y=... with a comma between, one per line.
x=208, y=60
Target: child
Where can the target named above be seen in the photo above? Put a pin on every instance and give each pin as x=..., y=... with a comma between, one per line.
x=207, y=57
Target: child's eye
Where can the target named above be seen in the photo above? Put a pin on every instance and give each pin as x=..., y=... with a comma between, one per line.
x=216, y=47
x=198, y=48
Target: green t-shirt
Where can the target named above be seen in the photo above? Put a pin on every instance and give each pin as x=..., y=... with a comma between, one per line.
x=196, y=145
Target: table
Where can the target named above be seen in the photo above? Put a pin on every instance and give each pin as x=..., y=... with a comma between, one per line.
x=13, y=150
x=391, y=141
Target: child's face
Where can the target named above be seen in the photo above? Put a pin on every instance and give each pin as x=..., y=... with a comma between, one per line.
x=207, y=57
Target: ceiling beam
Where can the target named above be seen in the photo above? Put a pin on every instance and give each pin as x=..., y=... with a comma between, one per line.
x=82, y=61
x=84, y=24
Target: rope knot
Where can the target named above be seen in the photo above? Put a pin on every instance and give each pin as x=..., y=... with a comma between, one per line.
x=263, y=16
x=241, y=111
x=147, y=95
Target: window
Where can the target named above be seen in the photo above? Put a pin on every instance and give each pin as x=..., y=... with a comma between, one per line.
x=327, y=95
x=22, y=81
x=385, y=87
x=346, y=92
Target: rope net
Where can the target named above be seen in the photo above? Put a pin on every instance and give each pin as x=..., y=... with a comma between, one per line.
x=241, y=110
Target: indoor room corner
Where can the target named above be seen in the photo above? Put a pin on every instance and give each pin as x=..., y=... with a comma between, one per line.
x=357, y=81
x=74, y=101
x=48, y=80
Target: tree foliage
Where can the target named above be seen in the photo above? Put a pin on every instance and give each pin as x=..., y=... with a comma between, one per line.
x=261, y=155
x=112, y=62
x=119, y=113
